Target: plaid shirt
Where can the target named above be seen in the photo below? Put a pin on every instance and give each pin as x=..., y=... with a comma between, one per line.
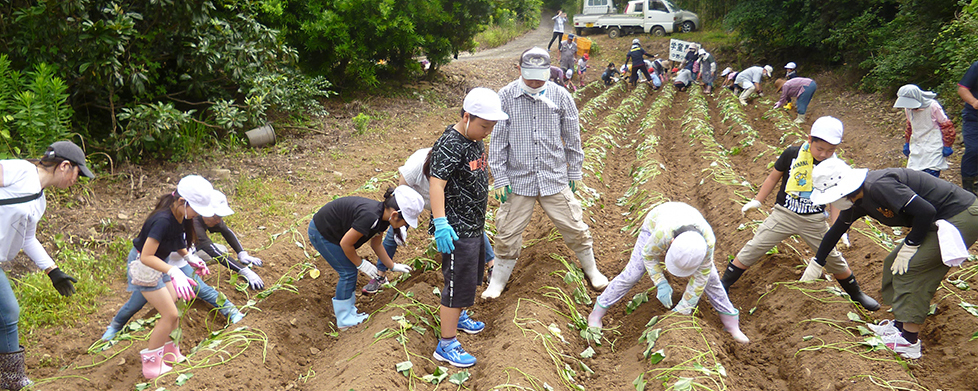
x=537, y=151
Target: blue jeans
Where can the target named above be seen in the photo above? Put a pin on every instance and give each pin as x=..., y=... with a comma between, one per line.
x=969, y=132
x=203, y=291
x=806, y=96
x=334, y=255
x=9, y=315
x=391, y=246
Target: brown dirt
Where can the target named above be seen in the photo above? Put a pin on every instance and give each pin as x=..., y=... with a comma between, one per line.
x=275, y=190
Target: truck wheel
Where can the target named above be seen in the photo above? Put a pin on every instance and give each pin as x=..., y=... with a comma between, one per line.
x=614, y=32
x=658, y=31
x=688, y=26
x=579, y=30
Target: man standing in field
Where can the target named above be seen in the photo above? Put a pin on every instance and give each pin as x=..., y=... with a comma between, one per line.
x=969, y=127
x=535, y=156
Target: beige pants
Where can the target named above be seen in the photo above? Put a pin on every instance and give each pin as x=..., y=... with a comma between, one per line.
x=780, y=225
x=563, y=209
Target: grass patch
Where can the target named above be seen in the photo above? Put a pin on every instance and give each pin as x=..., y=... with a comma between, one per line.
x=499, y=35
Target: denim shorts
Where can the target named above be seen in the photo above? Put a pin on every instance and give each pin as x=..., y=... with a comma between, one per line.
x=133, y=255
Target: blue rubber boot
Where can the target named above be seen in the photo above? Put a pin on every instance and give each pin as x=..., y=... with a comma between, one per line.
x=111, y=331
x=346, y=313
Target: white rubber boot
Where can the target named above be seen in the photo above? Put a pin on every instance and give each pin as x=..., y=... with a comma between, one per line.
x=598, y=280
x=800, y=119
x=500, y=276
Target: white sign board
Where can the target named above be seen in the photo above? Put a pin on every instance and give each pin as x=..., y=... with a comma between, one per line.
x=677, y=49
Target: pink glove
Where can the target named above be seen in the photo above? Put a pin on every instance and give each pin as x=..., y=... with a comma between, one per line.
x=198, y=264
x=182, y=284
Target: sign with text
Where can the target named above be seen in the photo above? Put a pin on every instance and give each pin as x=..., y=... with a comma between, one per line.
x=677, y=49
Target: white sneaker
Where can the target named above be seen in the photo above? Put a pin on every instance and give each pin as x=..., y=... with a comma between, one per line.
x=899, y=345
x=885, y=327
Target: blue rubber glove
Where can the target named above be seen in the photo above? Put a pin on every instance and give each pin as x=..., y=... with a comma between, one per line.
x=906, y=149
x=664, y=293
x=445, y=235
x=947, y=151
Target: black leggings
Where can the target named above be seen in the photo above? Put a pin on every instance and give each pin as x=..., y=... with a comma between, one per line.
x=634, y=76
x=556, y=37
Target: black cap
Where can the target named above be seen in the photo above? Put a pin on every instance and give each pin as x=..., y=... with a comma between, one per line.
x=67, y=150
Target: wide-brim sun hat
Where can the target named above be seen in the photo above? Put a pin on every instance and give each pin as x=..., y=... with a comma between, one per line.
x=484, y=103
x=686, y=254
x=411, y=204
x=219, y=202
x=911, y=96
x=535, y=64
x=197, y=191
x=833, y=179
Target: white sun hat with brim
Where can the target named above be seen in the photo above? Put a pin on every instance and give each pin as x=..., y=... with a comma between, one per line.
x=484, y=103
x=912, y=97
x=767, y=70
x=686, y=253
x=833, y=179
x=197, y=191
x=219, y=202
x=411, y=204
x=535, y=64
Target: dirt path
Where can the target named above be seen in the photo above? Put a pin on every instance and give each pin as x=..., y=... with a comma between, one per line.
x=512, y=50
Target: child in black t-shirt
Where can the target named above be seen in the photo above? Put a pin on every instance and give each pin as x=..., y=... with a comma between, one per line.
x=610, y=74
x=459, y=186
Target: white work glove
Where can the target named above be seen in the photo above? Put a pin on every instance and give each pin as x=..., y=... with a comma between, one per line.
x=182, y=284
x=368, y=268
x=254, y=281
x=845, y=240
x=813, y=272
x=198, y=264
x=401, y=239
x=753, y=204
x=902, y=261
x=401, y=268
x=248, y=259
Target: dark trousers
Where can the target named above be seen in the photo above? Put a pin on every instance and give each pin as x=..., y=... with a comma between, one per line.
x=556, y=37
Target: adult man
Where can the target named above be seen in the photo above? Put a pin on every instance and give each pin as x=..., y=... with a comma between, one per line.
x=535, y=156
x=969, y=127
x=750, y=80
x=568, y=55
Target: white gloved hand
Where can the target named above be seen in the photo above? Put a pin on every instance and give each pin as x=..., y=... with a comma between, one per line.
x=845, y=240
x=902, y=261
x=753, y=204
x=401, y=268
x=198, y=264
x=254, y=281
x=813, y=272
x=400, y=238
x=248, y=259
x=368, y=268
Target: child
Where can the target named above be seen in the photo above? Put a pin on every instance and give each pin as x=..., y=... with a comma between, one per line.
x=22, y=205
x=683, y=79
x=795, y=214
x=678, y=234
x=459, y=185
x=557, y=75
x=136, y=301
x=167, y=229
x=610, y=75
x=790, y=70
x=929, y=132
x=341, y=226
x=581, y=68
x=209, y=250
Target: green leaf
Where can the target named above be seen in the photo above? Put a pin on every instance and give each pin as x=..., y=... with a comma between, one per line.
x=683, y=384
x=380, y=333
x=721, y=370
x=142, y=386
x=657, y=357
x=588, y=353
x=640, y=382
x=807, y=338
x=652, y=322
x=459, y=378
x=974, y=336
x=436, y=291
x=182, y=378
x=863, y=330
x=404, y=367
x=854, y=317
x=440, y=374
x=585, y=368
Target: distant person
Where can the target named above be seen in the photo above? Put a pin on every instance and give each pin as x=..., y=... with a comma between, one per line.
x=22, y=205
x=557, y=75
x=750, y=80
x=690, y=57
x=967, y=89
x=559, y=21
x=610, y=74
x=729, y=76
x=568, y=55
x=683, y=79
x=708, y=69
x=943, y=221
x=582, y=68
x=636, y=55
x=929, y=135
x=800, y=88
x=675, y=238
x=790, y=70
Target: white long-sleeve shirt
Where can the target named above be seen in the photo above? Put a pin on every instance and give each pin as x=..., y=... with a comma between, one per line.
x=19, y=221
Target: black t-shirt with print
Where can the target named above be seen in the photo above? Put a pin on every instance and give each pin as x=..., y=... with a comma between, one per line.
x=364, y=215
x=799, y=205
x=886, y=192
x=462, y=163
x=165, y=228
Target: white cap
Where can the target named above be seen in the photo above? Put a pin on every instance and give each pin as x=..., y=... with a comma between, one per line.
x=768, y=69
x=790, y=65
x=833, y=179
x=484, y=103
x=726, y=71
x=635, y=41
x=197, y=191
x=686, y=253
x=410, y=203
x=535, y=64
x=219, y=202
x=829, y=129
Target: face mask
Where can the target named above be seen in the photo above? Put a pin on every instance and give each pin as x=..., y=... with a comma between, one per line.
x=536, y=93
x=842, y=204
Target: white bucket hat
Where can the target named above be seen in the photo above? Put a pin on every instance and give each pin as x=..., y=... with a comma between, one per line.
x=484, y=103
x=197, y=191
x=410, y=203
x=686, y=253
x=219, y=202
x=833, y=179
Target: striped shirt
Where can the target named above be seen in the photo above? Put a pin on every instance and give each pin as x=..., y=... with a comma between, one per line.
x=537, y=151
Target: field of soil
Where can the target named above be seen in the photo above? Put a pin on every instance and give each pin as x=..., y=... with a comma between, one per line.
x=642, y=147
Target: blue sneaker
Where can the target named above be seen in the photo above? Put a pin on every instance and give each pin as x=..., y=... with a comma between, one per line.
x=454, y=354
x=466, y=324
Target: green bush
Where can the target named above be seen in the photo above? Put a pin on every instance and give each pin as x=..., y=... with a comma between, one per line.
x=33, y=109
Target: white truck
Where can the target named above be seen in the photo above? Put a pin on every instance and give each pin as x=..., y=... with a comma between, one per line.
x=656, y=17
